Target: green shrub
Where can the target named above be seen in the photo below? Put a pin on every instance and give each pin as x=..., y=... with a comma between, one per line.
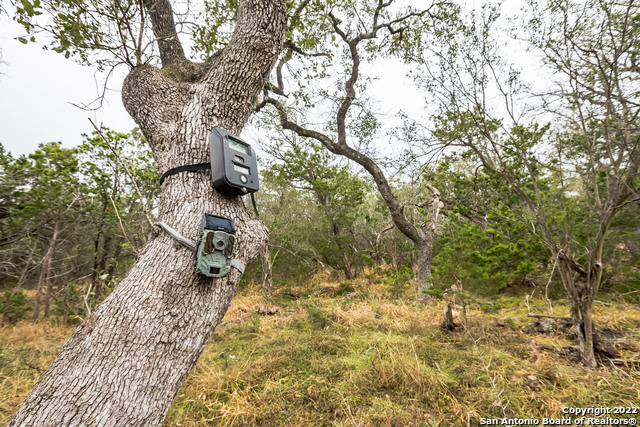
x=70, y=305
x=434, y=292
x=397, y=279
x=13, y=306
x=344, y=288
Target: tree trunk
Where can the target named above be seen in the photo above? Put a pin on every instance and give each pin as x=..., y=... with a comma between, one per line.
x=47, y=297
x=581, y=306
x=583, y=322
x=113, y=263
x=45, y=273
x=96, y=249
x=267, y=273
x=106, y=250
x=423, y=267
x=126, y=362
x=335, y=230
x=49, y=283
x=425, y=246
x=343, y=252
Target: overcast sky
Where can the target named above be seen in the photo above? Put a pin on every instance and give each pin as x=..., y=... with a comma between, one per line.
x=37, y=89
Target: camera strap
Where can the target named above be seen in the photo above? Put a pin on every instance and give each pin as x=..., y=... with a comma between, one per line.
x=186, y=168
x=200, y=167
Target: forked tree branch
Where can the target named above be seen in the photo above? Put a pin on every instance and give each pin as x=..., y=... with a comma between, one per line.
x=340, y=145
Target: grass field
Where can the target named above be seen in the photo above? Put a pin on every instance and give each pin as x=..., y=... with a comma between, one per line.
x=336, y=357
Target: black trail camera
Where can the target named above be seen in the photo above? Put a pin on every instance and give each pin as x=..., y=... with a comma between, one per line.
x=234, y=168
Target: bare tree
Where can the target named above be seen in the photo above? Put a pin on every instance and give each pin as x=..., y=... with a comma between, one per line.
x=335, y=138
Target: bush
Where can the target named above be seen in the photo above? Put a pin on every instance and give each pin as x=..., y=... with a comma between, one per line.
x=434, y=293
x=397, y=279
x=70, y=305
x=344, y=288
x=13, y=306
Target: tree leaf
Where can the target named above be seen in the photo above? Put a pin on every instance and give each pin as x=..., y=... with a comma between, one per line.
x=28, y=7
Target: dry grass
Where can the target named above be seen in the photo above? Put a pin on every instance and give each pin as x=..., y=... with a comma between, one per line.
x=26, y=350
x=363, y=359
x=368, y=360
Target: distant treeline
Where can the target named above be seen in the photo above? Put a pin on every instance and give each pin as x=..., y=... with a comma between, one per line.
x=73, y=220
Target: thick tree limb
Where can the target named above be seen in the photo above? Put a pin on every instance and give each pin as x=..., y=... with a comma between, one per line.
x=164, y=29
x=395, y=208
x=254, y=42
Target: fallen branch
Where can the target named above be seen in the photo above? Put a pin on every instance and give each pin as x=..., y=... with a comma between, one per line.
x=635, y=363
x=544, y=316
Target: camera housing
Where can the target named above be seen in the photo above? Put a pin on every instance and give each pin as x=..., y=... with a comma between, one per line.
x=214, y=252
x=234, y=167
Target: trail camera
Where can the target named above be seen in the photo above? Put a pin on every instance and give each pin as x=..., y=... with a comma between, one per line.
x=214, y=253
x=234, y=168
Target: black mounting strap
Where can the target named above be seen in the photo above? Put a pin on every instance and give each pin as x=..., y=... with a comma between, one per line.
x=187, y=168
x=255, y=208
x=199, y=167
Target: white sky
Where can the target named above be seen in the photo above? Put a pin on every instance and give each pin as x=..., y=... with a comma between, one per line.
x=37, y=89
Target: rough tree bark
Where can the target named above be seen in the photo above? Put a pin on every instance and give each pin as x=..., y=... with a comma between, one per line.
x=126, y=362
x=581, y=308
x=425, y=245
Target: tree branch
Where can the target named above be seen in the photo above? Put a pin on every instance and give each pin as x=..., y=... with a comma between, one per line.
x=164, y=29
x=406, y=227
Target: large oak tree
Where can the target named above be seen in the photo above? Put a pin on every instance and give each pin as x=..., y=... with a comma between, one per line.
x=127, y=361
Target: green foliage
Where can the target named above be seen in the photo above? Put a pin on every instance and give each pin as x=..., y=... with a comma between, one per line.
x=13, y=306
x=38, y=191
x=331, y=201
x=53, y=180
x=397, y=279
x=344, y=288
x=95, y=196
x=70, y=305
x=92, y=32
x=434, y=293
x=217, y=27
x=483, y=259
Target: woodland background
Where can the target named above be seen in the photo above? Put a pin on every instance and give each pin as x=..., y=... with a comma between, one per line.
x=327, y=328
